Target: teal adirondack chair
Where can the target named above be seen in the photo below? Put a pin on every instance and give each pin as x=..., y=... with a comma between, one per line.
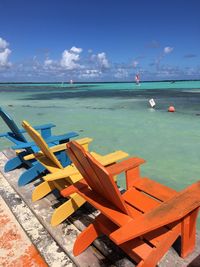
x=16, y=136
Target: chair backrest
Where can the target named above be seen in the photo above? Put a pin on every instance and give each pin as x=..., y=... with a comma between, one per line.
x=37, y=138
x=96, y=176
x=12, y=126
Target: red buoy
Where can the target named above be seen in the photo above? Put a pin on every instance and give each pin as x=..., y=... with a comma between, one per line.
x=171, y=109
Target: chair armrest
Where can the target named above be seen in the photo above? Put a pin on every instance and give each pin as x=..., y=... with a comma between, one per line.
x=23, y=145
x=125, y=165
x=83, y=141
x=63, y=137
x=172, y=210
x=50, y=139
x=57, y=148
x=64, y=173
x=29, y=157
x=40, y=127
x=3, y=134
x=110, y=158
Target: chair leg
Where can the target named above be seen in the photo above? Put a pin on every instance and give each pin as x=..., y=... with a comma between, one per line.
x=30, y=174
x=131, y=177
x=17, y=161
x=188, y=233
x=161, y=240
x=86, y=238
x=12, y=164
x=67, y=209
x=42, y=190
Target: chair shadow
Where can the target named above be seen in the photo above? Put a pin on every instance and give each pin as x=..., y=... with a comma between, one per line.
x=195, y=262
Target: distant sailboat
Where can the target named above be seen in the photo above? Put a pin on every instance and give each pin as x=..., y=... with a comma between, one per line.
x=71, y=82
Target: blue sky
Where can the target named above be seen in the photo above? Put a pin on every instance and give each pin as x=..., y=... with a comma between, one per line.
x=99, y=40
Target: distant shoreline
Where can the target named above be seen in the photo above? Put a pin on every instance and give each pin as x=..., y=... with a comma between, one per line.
x=193, y=80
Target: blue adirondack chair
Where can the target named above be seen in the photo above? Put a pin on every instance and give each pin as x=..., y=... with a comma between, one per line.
x=16, y=136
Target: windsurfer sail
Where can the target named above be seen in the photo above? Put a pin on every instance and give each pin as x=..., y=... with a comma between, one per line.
x=137, y=78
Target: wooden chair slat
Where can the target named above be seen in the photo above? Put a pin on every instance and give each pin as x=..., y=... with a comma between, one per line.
x=94, y=182
x=41, y=143
x=105, y=207
x=97, y=177
x=47, y=163
x=140, y=200
x=155, y=189
x=12, y=125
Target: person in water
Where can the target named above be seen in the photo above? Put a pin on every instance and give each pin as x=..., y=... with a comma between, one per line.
x=137, y=78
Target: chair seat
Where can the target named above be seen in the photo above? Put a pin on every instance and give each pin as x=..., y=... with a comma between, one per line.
x=147, y=194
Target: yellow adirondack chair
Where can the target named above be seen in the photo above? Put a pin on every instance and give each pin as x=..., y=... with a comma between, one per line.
x=145, y=220
x=60, y=177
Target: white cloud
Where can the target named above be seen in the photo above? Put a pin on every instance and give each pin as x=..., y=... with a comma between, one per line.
x=70, y=58
x=3, y=43
x=103, y=61
x=121, y=73
x=76, y=50
x=168, y=49
x=4, y=53
x=48, y=62
x=4, y=58
x=135, y=63
x=90, y=73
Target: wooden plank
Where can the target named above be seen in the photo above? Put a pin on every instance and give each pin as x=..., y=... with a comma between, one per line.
x=141, y=201
x=110, y=158
x=64, y=235
x=155, y=189
x=125, y=165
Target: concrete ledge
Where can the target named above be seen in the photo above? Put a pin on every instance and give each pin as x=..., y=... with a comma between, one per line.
x=16, y=248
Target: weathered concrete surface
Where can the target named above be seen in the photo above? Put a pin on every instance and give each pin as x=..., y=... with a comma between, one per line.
x=16, y=249
x=48, y=248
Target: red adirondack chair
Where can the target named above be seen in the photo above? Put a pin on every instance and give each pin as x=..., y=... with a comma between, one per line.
x=145, y=221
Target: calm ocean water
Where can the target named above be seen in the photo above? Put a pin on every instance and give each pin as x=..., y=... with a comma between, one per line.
x=118, y=116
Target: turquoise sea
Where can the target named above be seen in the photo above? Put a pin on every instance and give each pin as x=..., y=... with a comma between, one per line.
x=118, y=117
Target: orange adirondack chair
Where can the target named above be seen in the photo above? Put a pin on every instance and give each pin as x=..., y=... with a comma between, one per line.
x=145, y=221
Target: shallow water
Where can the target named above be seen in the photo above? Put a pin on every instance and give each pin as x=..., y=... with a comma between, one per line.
x=118, y=116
